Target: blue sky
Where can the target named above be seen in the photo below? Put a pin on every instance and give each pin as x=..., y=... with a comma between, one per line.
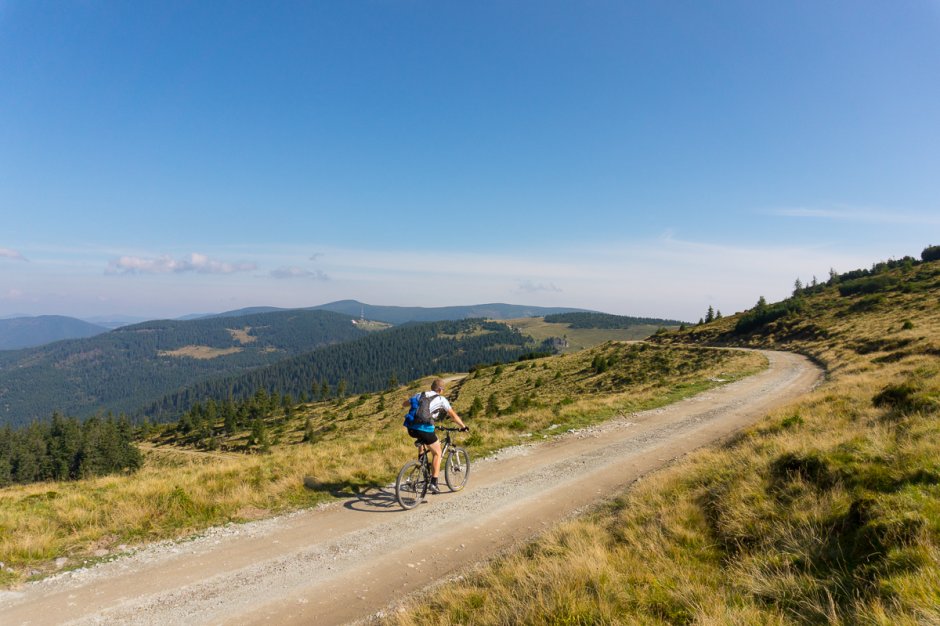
x=165, y=158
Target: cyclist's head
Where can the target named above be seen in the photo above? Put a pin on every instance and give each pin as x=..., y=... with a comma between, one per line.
x=437, y=385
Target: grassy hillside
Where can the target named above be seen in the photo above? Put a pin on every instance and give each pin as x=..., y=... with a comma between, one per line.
x=827, y=511
x=303, y=454
x=575, y=339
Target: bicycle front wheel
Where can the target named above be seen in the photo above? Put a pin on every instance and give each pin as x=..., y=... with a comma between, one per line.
x=411, y=485
x=457, y=469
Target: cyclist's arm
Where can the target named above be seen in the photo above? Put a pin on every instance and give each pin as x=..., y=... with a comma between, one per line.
x=455, y=417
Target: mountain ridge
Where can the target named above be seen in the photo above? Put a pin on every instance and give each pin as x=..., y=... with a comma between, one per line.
x=31, y=331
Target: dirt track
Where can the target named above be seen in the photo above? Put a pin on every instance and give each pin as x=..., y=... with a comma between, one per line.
x=346, y=561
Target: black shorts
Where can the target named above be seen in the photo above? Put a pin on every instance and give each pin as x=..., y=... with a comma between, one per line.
x=424, y=437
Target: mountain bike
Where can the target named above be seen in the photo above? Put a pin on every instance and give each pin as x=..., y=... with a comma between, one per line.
x=411, y=486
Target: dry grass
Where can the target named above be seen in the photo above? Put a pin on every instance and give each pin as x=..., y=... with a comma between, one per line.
x=200, y=352
x=827, y=511
x=579, y=338
x=357, y=443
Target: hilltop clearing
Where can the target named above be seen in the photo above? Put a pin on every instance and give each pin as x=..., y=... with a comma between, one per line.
x=569, y=336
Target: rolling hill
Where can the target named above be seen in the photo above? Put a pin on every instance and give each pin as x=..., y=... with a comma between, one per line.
x=367, y=364
x=27, y=332
x=126, y=368
x=404, y=314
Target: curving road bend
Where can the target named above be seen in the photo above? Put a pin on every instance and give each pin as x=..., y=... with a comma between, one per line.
x=346, y=561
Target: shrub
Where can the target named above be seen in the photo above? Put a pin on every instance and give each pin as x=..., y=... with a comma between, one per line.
x=763, y=314
x=905, y=397
x=931, y=253
x=871, y=284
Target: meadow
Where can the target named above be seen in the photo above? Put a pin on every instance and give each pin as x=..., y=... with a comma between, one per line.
x=579, y=338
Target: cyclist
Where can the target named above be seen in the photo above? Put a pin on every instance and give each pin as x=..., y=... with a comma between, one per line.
x=435, y=405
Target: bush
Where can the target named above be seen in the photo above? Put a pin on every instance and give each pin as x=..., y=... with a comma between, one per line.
x=931, y=253
x=906, y=397
x=872, y=284
x=764, y=314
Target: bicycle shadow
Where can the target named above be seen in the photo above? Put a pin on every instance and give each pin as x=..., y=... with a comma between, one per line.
x=362, y=498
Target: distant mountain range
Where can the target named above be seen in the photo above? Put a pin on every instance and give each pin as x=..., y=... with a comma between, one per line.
x=25, y=332
x=401, y=314
x=404, y=314
x=28, y=332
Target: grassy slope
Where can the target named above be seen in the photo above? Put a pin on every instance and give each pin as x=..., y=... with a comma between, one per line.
x=827, y=511
x=579, y=338
x=357, y=443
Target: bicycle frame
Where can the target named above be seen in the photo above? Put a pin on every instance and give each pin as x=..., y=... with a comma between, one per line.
x=410, y=488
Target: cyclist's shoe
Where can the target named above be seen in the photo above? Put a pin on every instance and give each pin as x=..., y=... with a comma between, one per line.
x=433, y=488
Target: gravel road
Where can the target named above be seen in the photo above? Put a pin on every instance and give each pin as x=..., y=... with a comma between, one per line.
x=349, y=560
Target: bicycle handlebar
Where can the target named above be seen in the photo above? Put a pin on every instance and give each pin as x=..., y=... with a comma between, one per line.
x=453, y=430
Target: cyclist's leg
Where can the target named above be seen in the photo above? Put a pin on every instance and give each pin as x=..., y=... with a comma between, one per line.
x=435, y=449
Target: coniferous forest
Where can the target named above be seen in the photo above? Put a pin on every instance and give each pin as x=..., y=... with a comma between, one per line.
x=367, y=364
x=125, y=369
x=66, y=449
x=606, y=320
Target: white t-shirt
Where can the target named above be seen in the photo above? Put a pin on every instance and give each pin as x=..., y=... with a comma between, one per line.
x=438, y=402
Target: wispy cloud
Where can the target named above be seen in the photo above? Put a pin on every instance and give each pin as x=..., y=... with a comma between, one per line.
x=195, y=262
x=299, y=272
x=528, y=286
x=857, y=214
x=7, y=253
x=315, y=256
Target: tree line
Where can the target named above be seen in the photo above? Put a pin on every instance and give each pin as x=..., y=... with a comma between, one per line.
x=605, y=320
x=64, y=448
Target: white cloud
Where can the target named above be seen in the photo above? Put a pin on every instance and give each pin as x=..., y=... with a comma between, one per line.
x=857, y=214
x=528, y=286
x=195, y=262
x=7, y=253
x=315, y=256
x=298, y=272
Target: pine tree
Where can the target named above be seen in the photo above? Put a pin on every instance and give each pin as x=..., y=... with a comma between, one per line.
x=492, y=405
x=309, y=432
x=710, y=315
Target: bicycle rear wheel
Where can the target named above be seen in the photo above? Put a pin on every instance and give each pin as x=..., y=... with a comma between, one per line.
x=457, y=468
x=411, y=485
